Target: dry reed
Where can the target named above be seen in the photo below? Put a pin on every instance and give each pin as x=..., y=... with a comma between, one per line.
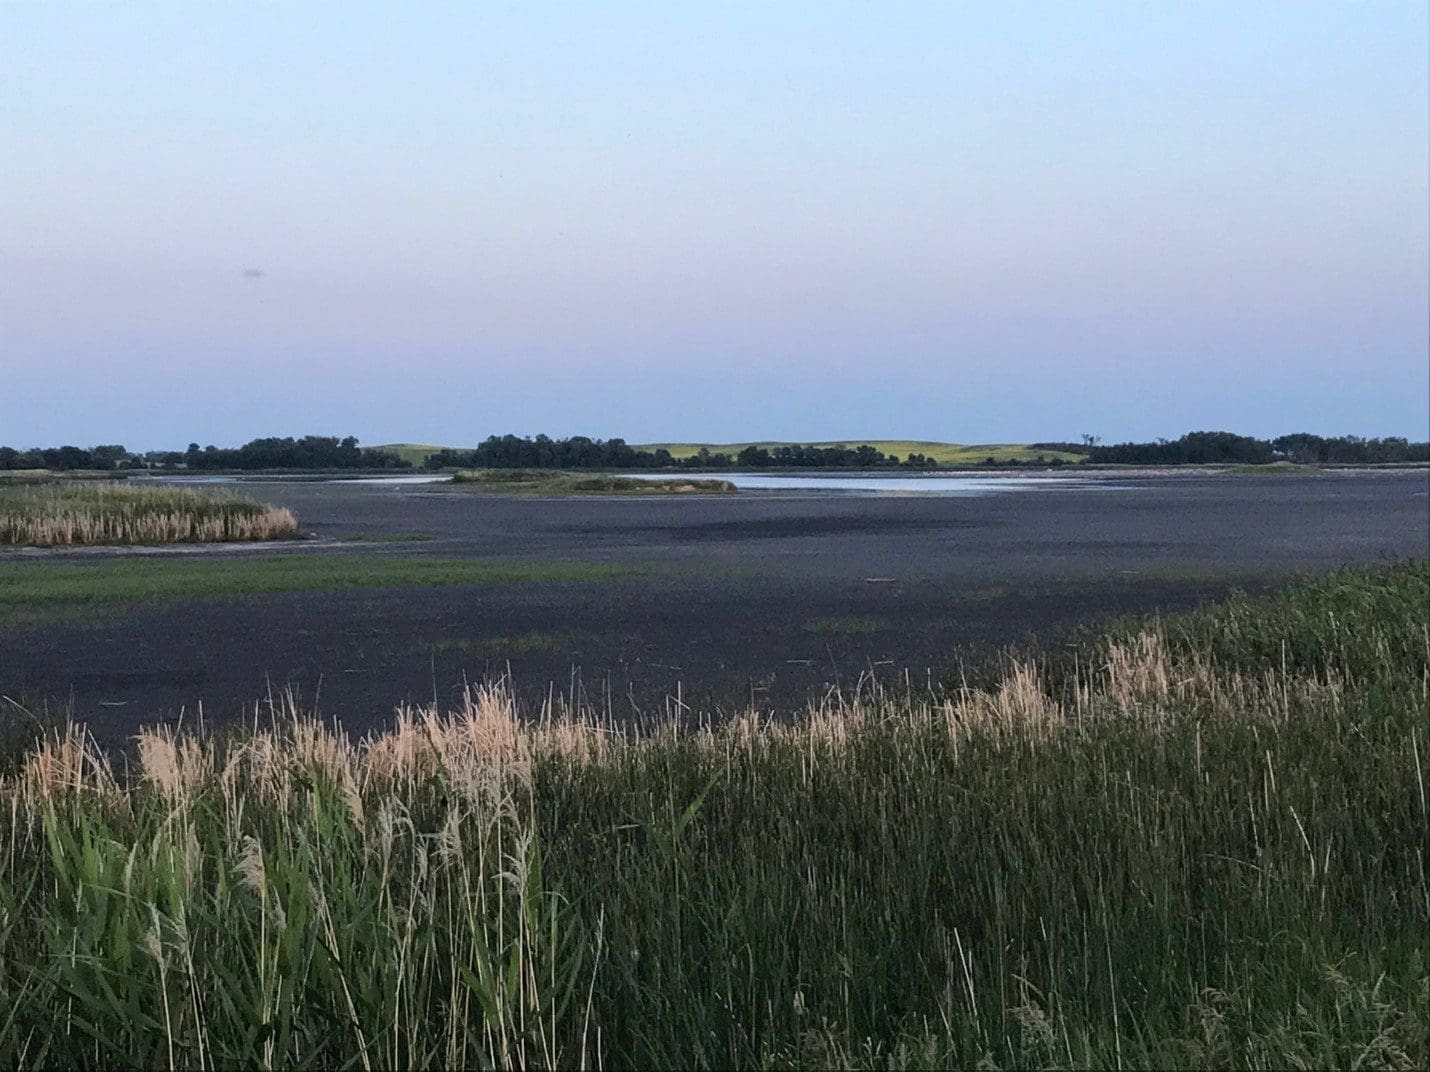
x=486, y=732
x=1167, y=851
x=97, y=515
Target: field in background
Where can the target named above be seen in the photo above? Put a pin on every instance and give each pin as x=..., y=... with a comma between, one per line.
x=943, y=453
x=415, y=453
x=62, y=515
x=1192, y=843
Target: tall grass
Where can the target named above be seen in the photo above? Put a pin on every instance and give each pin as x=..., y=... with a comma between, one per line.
x=64, y=516
x=1193, y=845
x=30, y=477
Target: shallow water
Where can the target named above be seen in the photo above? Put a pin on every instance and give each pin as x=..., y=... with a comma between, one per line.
x=306, y=478
x=885, y=483
x=422, y=478
x=837, y=483
x=735, y=600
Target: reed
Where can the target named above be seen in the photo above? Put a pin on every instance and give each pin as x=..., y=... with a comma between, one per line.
x=1156, y=852
x=61, y=516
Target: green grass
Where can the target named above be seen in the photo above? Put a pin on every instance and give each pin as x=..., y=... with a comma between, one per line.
x=942, y=453
x=1360, y=622
x=385, y=537
x=28, y=477
x=500, y=647
x=30, y=589
x=845, y=626
x=415, y=453
x=1282, y=467
x=556, y=482
x=1198, y=843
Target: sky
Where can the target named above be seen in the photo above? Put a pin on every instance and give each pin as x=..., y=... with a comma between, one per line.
x=965, y=222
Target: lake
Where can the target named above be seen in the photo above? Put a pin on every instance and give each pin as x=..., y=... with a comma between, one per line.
x=835, y=483
x=885, y=483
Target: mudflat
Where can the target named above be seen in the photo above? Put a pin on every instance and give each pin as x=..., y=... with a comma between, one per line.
x=641, y=604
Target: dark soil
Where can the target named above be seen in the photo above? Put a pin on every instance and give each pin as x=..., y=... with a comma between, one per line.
x=756, y=598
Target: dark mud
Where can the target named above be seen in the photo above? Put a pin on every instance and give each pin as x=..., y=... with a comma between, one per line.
x=757, y=598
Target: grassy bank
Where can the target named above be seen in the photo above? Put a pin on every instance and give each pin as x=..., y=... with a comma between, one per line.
x=62, y=516
x=1200, y=843
x=555, y=482
x=30, y=590
x=30, y=477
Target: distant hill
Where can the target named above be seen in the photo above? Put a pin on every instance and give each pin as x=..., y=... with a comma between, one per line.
x=416, y=453
x=943, y=453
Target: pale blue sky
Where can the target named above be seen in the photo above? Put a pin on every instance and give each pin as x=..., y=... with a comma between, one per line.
x=967, y=222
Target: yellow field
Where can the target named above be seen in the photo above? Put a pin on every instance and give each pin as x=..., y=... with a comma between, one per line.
x=943, y=453
x=416, y=453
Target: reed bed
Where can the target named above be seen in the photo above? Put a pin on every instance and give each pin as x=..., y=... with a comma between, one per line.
x=62, y=516
x=31, y=477
x=1152, y=851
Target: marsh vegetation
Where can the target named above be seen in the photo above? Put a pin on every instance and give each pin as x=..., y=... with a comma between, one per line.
x=30, y=590
x=1193, y=842
x=20, y=478
x=80, y=514
x=554, y=482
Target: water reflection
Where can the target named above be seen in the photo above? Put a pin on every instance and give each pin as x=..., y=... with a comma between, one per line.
x=884, y=483
x=837, y=483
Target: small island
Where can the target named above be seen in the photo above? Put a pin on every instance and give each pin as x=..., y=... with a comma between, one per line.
x=557, y=482
x=88, y=515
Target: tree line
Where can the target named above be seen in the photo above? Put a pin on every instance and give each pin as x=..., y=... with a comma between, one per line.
x=1212, y=448
x=582, y=452
x=307, y=452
